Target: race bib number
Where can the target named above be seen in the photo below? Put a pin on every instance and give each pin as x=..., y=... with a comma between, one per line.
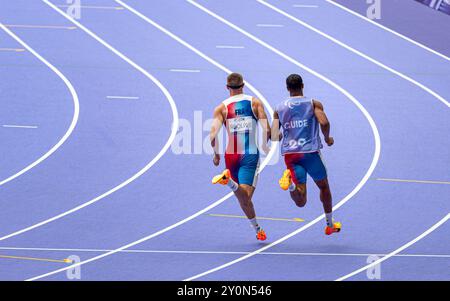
x=240, y=124
x=293, y=144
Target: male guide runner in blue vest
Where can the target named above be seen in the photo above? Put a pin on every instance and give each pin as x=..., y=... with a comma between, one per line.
x=300, y=119
x=240, y=114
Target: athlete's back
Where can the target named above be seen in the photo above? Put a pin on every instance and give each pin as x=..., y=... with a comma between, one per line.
x=241, y=124
x=300, y=126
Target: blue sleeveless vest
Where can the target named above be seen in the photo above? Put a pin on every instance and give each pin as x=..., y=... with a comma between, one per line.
x=299, y=126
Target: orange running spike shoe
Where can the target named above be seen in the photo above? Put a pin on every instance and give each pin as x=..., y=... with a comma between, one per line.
x=261, y=235
x=223, y=178
x=335, y=229
x=285, y=180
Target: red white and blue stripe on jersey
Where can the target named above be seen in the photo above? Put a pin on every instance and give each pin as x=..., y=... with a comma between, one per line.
x=241, y=124
x=241, y=155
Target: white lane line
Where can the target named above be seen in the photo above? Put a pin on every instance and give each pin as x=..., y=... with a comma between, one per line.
x=357, y=52
x=389, y=30
x=206, y=209
x=94, y=7
x=20, y=126
x=40, y=26
x=174, y=129
x=13, y=49
x=76, y=108
x=122, y=97
x=200, y=252
x=393, y=253
x=305, y=6
x=269, y=25
x=414, y=181
x=229, y=47
x=369, y=118
x=185, y=70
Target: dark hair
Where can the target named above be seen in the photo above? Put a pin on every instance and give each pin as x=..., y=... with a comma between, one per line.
x=294, y=82
x=235, y=81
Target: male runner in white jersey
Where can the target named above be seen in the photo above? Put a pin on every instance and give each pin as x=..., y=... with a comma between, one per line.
x=240, y=114
x=300, y=118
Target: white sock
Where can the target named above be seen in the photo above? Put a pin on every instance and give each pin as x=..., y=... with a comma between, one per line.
x=292, y=187
x=233, y=185
x=329, y=219
x=255, y=225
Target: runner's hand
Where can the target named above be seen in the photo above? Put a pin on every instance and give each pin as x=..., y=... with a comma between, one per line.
x=216, y=159
x=329, y=141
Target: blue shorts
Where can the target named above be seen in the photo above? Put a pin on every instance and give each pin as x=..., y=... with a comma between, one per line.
x=309, y=163
x=243, y=168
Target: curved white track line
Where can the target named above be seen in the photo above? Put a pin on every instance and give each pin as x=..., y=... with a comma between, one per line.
x=174, y=129
x=372, y=167
x=393, y=253
x=389, y=30
x=76, y=108
x=195, y=215
x=366, y=177
x=357, y=52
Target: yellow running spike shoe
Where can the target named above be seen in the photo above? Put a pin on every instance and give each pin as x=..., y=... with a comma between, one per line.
x=335, y=229
x=261, y=235
x=223, y=178
x=285, y=180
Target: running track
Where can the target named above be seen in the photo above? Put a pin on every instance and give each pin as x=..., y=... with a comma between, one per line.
x=106, y=186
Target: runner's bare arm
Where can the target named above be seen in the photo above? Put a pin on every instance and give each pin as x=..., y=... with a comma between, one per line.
x=276, y=134
x=218, y=120
x=323, y=121
x=258, y=109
